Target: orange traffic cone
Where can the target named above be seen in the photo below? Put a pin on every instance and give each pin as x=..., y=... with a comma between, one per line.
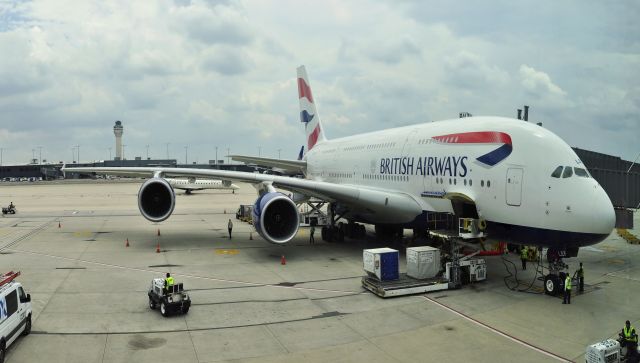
x=158, y=231
x=250, y=236
x=158, y=248
x=283, y=261
x=127, y=244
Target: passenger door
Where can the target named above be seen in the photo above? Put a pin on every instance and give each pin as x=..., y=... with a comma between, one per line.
x=514, y=186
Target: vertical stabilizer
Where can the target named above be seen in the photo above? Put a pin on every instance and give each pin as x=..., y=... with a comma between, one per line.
x=308, y=113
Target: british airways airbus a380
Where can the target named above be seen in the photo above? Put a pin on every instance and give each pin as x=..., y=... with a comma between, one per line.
x=526, y=183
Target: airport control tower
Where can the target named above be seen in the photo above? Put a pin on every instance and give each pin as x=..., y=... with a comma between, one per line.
x=118, y=130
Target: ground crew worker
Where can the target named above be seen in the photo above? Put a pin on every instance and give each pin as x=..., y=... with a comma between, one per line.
x=629, y=339
x=312, y=230
x=230, y=227
x=523, y=257
x=581, y=278
x=567, y=290
x=168, y=282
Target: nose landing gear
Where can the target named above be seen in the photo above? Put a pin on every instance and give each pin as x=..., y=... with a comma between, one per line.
x=554, y=280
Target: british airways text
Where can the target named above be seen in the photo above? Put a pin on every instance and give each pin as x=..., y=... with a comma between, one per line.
x=428, y=165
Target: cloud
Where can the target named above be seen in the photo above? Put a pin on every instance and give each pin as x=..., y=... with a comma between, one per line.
x=539, y=83
x=226, y=61
x=216, y=73
x=466, y=69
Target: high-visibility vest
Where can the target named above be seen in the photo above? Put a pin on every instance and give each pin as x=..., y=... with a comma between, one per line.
x=523, y=253
x=567, y=283
x=169, y=281
x=630, y=334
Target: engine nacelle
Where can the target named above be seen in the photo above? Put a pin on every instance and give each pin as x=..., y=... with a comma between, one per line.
x=156, y=199
x=275, y=217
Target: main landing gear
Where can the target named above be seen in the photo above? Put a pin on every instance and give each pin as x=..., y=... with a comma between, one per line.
x=336, y=232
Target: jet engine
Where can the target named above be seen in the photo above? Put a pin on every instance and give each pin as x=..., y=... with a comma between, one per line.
x=156, y=199
x=275, y=217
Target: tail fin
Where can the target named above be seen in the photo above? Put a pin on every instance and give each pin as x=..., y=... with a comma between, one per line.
x=308, y=113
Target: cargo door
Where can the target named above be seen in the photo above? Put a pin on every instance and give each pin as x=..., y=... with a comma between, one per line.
x=514, y=186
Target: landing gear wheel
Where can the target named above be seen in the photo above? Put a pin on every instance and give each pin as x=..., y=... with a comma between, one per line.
x=551, y=285
x=27, y=326
x=163, y=309
x=152, y=304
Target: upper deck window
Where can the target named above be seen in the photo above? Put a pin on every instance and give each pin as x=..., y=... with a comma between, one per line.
x=556, y=173
x=568, y=172
x=581, y=172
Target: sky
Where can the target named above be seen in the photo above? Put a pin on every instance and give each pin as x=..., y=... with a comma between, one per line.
x=187, y=77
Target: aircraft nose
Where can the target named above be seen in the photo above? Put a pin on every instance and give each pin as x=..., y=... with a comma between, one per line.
x=604, y=216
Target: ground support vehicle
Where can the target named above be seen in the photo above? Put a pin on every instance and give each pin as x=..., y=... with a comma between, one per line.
x=9, y=210
x=15, y=311
x=171, y=300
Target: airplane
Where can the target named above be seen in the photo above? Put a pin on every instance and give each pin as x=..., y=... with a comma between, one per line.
x=190, y=184
x=524, y=183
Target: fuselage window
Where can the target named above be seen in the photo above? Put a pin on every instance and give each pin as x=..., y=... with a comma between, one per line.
x=568, y=172
x=454, y=181
x=465, y=182
x=488, y=183
x=556, y=173
x=482, y=183
x=470, y=182
x=581, y=172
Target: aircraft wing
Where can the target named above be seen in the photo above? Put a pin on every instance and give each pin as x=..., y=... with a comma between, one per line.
x=291, y=166
x=400, y=205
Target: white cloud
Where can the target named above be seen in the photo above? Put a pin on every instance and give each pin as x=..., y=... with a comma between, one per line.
x=538, y=82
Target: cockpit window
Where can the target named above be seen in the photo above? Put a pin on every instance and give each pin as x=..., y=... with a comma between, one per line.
x=556, y=173
x=568, y=172
x=581, y=172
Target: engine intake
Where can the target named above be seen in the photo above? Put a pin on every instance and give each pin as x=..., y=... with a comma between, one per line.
x=275, y=217
x=156, y=199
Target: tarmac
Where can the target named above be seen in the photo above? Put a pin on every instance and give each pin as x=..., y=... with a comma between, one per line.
x=89, y=291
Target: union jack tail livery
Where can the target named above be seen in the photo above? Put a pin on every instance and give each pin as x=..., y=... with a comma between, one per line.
x=308, y=113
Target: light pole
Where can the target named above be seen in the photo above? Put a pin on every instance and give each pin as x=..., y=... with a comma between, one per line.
x=73, y=154
x=259, y=151
x=40, y=149
x=167, y=150
x=228, y=157
x=186, y=150
x=216, y=156
x=78, y=146
x=147, y=152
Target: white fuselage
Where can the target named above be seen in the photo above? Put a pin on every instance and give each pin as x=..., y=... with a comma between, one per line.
x=517, y=191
